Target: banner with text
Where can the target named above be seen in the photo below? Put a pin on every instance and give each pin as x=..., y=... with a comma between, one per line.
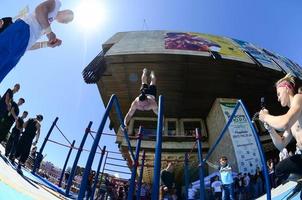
x=245, y=147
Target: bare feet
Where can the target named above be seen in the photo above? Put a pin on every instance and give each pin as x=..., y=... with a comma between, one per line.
x=145, y=70
x=152, y=75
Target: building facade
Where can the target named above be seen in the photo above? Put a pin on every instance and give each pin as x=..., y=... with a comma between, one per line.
x=199, y=75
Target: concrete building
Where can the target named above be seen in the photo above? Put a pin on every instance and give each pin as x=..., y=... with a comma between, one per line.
x=198, y=74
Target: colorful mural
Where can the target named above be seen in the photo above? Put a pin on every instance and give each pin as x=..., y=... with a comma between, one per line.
x=231, y=49
x=203, y=42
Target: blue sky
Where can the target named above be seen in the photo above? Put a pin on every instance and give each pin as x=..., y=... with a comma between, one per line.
x=51, y=80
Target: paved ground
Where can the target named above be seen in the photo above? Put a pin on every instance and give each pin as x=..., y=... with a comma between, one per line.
x=15, y=186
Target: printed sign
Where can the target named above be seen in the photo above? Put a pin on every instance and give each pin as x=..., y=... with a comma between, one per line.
x=246, y=151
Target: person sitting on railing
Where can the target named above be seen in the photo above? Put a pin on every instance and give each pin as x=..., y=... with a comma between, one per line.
x=146, y=100
x=291, y=125
x=226, y=176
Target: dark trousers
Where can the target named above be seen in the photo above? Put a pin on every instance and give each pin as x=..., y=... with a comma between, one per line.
x=4, y=129
x=88, y=192
x=23, y=148
x=11, y=144
x=291, y=165
x=228, y=192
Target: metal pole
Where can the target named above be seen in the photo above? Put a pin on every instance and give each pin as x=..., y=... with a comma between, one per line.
x=201, y=165
x=157, y=163
x=102, y=174
x=134, y=166
x=262, y=156
x=94, y=148
x=186, y=175
x=141, y=173
x=65, y=164
x=120, y=117
x=40, y=155
x=222, y=133
x=96, y=178
x=76, y=160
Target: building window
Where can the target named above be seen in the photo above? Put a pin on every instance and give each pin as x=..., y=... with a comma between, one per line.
x=188, y=127
x=149, y=127
x=171, y=128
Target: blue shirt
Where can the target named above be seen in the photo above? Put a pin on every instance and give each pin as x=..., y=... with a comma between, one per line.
x=226, y=175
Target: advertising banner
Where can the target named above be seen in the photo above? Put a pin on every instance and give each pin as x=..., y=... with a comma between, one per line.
x=245, y=147
x=257, y=54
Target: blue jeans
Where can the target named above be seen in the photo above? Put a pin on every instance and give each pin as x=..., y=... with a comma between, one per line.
x=228, y=192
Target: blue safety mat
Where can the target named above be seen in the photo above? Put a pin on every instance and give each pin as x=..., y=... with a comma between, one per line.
x=40, y=180
x=288, y=191
x=285, y=196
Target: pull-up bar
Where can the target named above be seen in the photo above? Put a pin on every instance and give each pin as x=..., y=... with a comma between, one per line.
x=62, y=134
x=113, y=101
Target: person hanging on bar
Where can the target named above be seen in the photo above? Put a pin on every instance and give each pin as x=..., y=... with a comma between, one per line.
x=32, y=130
x=146, y=100
x=289, y=123
x=24, y=33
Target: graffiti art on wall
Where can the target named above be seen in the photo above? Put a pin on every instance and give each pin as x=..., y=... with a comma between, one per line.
x=231, y=49
x=187, y=41
x=204, y=42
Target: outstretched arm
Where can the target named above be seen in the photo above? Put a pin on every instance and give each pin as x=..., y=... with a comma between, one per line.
x=286, y=121
x=130, y=113
x=212, y=165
